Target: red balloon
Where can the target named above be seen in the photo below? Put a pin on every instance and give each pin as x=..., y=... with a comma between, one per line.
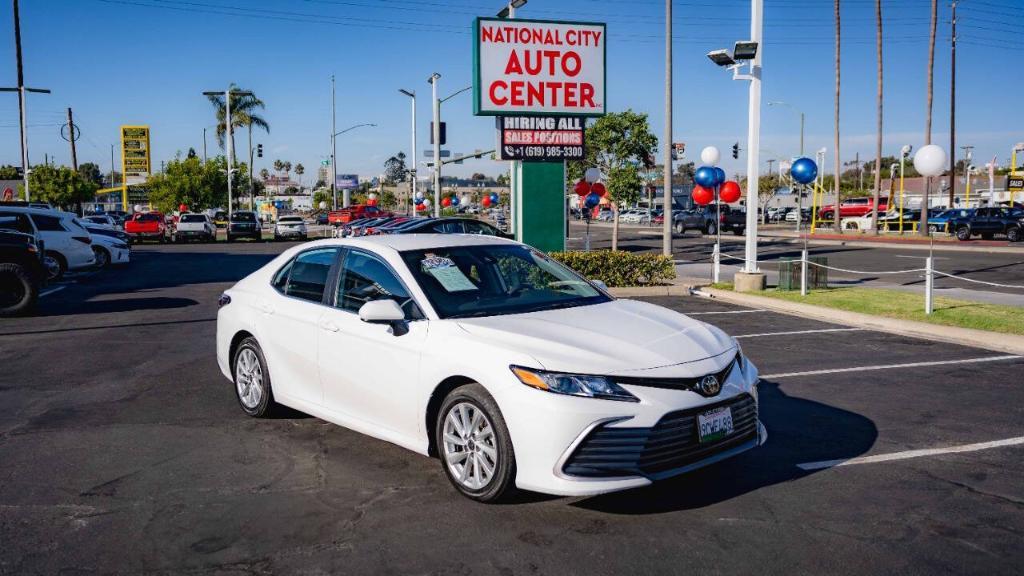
x=729, y=192
x=702, y=196
x=420, y=207
x=599, y=189
x=371, y=202
x=183, y=208
x=582, y=188
x=446, y=202
x=486, y=202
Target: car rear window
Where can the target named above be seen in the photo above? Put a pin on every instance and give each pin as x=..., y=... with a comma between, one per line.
x=193, y=218
x=147, y=218
x=291, y=219
x=243, y=217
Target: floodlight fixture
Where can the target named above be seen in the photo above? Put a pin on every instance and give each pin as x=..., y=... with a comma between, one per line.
x=744, y=50
x=721, y=57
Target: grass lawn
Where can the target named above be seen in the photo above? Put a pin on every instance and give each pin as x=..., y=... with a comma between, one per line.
x=910, y=306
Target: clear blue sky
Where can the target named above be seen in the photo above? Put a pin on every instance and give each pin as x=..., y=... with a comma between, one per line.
x=147, y=62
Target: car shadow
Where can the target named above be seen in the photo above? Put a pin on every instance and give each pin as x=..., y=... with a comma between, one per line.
x=800, y=431
x=66, y=308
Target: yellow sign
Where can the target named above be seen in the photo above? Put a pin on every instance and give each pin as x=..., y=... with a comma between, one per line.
x=135, y=157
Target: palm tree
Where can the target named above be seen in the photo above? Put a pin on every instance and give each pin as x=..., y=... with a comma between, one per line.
x=878, y=141
x=243, y=108
x=923, y=228
x=299, y=171
x=278, y=166
x=264, y=174
x=838, y=172
x=287, y=169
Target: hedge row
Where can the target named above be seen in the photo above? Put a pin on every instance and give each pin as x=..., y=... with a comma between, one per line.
x=619, y=268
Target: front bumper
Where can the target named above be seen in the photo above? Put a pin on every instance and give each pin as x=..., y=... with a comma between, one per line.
x=571, y=446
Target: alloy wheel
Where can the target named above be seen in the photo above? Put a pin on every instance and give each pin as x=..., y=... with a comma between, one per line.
x=52, y=266
x=470, y=448
x=249, y=378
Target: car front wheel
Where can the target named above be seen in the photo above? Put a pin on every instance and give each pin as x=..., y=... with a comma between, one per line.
x=710, y=229
x=102, y=257
x=18, y=290
x=680, y=229
x=963, y=233
x=55, y=266
x=474, y=445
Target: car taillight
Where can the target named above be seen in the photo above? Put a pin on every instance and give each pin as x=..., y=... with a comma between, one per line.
x=83, y=239
x=224, y=299
x=721, y=217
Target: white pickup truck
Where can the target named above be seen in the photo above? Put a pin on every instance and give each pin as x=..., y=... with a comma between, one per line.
x=195, y=227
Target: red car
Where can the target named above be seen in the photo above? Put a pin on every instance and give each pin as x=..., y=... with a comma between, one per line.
x=146, y=226
x=354, y=212
x=853, y=208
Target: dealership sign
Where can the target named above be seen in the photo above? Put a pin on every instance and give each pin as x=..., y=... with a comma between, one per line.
x=540, y=138
x=346, y=182
x=1015, y=183
x=539, y=68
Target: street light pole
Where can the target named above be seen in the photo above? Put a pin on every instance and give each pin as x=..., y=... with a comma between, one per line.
x=229, y=134
x=412, y=94
x=666, y=232
x=437, y=143
x=334, y=154
x=754, y=135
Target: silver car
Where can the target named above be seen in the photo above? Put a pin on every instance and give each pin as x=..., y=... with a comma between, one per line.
x=290, y=227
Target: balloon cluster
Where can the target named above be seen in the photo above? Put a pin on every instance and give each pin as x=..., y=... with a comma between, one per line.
x=710, y=178
x=421, y=202
x=450, y=201
x=490, y=200
x=589, y=189
x=371, y=200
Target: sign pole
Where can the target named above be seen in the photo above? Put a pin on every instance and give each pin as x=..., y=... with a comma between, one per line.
x=666, y=244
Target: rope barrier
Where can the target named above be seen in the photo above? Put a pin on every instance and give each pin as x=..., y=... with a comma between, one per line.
x=866, y=273
x=978, y=281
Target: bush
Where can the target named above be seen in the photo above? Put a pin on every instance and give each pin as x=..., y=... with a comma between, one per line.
x=619, y=268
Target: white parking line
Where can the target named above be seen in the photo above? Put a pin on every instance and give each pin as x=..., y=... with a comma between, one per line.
x=890, y=366
x=799, y=332
x=912, y=454
x=723, y=312
x=51, y=291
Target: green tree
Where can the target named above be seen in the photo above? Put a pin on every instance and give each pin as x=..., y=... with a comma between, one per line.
x=395, y=170
x=243, y=113
x=8, y=172
x=478, y=176
x=502, y=179
x=91, y=173
x=278, y=165
x=287, y=166
x=321, y=196
x=191, y=182
x=299, y=171
x=264, y=174
x=616, y=144
x=60, y=186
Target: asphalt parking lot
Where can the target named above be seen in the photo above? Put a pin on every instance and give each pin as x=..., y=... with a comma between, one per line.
x=124, y=450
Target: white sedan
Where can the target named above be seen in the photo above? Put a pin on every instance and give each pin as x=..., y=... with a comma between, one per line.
x=510, y=368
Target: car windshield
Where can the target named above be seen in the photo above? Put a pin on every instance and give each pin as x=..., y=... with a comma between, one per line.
x=496, y=279
x=192, y=218
x=147, y=218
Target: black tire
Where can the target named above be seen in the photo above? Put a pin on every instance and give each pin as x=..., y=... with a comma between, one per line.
x=1013, y=234
x=963, y=233
x=265, y=406
x=19, y=290
x=933, y=228
x=502, y=482
x=710, y=229
x=102, y=257
x=828, y=216
x=58, y=269
x=680, y=228
x=738, y=231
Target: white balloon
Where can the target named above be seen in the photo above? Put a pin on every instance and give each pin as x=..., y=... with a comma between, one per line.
x=372, y=196
x=931, y=160
x=425, y=202
x=138, y=207
x=323, y=205
x=464, y=200
x=592, y=175
x=710, y=156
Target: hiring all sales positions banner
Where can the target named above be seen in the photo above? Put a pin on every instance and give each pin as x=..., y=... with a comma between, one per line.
x=540, y=138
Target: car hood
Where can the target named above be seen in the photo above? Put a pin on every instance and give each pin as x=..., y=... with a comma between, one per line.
x=616, y=337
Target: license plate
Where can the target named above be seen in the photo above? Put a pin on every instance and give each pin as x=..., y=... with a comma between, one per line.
x=715, y=424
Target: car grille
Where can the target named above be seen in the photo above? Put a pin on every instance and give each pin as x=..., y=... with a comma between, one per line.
x=690, y=384
x=672, y=443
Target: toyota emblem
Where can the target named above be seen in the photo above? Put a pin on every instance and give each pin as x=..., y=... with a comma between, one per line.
x=709, y=386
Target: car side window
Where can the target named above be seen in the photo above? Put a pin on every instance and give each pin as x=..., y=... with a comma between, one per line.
x=47, y=223
x=15, y=221
x=474, y=227
x=365, y=278
x=308, y=274
x=280, y=281
x=450, y=227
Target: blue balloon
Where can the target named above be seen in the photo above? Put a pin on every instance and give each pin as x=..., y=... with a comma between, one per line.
x=591, y=200
x=494, y=198
x=804, y=170
x=706, y=176
x=455, y=200
x=719, y=176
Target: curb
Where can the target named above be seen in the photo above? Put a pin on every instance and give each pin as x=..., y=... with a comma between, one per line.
x=995, y=341
x=996, y=248
x=678, y=288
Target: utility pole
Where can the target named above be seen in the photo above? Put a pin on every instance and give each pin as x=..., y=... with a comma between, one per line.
x=111, y=166
x=666, y=147
x=754, y=135
x=21, y=90
x=952, y=113
x=771, y=161
x=412, y=171
x=334, y=154
x=71, y=138
x=437, y=144
x=252, y=191
x=204, y=145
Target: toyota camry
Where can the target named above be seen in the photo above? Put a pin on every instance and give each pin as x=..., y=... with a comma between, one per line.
x=511, y=369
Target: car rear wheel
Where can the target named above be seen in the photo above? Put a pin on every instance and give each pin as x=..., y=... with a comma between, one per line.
x=252, y=380
x=1013, y=234
x=680, y=229
x=963, y=233
x=738, y=231
x=55, y=266
x=933, y=228
x=18, y=290
x=474, y=445
x=711, y=229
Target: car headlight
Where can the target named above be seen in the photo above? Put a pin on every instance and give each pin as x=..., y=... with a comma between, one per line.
x=573, y=384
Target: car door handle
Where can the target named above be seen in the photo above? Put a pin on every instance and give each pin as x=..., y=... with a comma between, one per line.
x=265, y=308
x=329, y=326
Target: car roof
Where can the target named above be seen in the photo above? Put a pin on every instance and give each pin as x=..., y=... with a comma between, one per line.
x=401, y=242
x=40, y=211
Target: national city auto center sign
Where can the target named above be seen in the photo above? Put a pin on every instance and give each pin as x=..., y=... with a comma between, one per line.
x=535, y=67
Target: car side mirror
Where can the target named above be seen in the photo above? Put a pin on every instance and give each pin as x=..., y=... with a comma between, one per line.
x=381, y=312
x=600, y=284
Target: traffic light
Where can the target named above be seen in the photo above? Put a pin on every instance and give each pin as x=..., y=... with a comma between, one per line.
x=443, y=131
x=259, y=150
x=736, y=150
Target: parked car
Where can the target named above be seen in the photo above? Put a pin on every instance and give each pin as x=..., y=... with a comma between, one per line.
x=355, y=212
x=108, y=246
x=793, y=214
x=243, y=224
x=146, y=226
x=534, y=407
x=102, y=220
x=219, y=217
x=853, y=208
x=67, y=244
x=940, y=221
x=194, y=226
x=322, y=219
x=708, y=220
x=22, y=273
x=290, y=227
x=988, y=222
x=452, y=226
